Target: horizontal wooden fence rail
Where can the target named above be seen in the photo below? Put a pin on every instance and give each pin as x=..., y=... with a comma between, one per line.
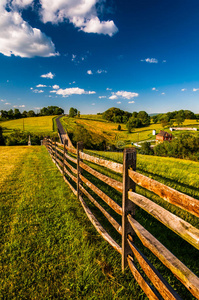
x=74, y=164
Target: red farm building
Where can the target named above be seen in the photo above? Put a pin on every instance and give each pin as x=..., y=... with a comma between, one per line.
x=163, y=136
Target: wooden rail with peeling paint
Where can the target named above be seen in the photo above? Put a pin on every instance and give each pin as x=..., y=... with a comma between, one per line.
x=62, y=155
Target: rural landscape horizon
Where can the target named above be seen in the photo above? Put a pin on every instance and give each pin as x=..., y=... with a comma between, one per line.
x=99, y=149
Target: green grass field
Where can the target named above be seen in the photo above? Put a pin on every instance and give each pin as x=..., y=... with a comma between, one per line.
x=35, y=125
x=49, y=249
x=96, y=124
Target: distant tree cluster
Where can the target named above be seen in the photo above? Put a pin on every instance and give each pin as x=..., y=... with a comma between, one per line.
x=132, y=120
x=178, y=117
x=185, y=146
x=73, y=112
x=116, y=115
x=16, y=114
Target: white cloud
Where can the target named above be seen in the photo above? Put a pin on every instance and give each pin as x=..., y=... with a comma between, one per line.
x=195, y=90
x=91, y=92
x=154, y=89
x=182, y=90
x=150, y=60
x=101, y=71
x=127, y=95
x=38, y=91
x=101, y=97
x=31, y=88
x=109, y=89
x=55, y=87
x=7, y=103
x=83, y=15
x=113, y=97
x=18, y=38
x=93, y=103
x=164, y=61
x=131, y=102
x=3, y=100
x=73, y=57
x=41, y=85
x=72, y=91
x=163, y=93
x=22, y=105
x=22, y=3
x=48, y=75
x=89, y=72
x=119, y=102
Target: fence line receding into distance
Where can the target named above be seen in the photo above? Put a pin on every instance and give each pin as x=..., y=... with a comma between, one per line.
x=73, y=163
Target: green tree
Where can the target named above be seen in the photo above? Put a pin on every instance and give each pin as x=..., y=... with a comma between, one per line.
x=17, y=113
x=30, y=113
x=119, y=127
x=144, y=118
x=11, y=114
x=1, y=136
x=146, y=149
x=72, y=112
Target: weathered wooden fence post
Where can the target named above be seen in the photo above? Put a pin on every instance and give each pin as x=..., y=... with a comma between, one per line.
x=128, y=207
x=55, y=149
x=79, y=148
x=64, y=157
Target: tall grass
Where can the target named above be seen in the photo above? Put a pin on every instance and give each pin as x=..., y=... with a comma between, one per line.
x=49, y=249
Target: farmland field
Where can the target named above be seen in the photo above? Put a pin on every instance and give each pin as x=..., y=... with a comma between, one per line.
x=97, y=125
x=34, y=124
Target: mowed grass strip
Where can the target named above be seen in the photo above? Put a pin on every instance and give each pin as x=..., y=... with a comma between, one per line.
x=49, y=249
x=34, y=124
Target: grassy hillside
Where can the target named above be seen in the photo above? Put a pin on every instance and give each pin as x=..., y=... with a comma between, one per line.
x=97, y=125
x=49, y=249
x=34, y=124
x=180, y=174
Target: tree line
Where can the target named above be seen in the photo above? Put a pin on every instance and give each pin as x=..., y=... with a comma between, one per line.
x=186, y=146
x=16, y=114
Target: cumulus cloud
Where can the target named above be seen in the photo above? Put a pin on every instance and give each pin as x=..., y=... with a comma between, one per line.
x=150, y=60
x=72, y=91
x=83, y=15
x=89, y=72
x=154, y=89
x=195, y=90
x=41, y=85
x=101, y=97
x=3, y=100
x=22, y=105
x=113, y=97
x=55, y=87
x=127, y=95
x=119, y=102
x=18, y=38
x=131, y=102
x=48, y=75
x=182, y=90
x=109, y=89
x=7, y=103
x=163, y=93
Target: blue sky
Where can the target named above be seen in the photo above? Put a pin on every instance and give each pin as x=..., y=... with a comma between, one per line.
x=96, y=54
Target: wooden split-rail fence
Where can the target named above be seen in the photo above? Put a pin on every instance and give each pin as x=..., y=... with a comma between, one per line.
x=65, y=156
